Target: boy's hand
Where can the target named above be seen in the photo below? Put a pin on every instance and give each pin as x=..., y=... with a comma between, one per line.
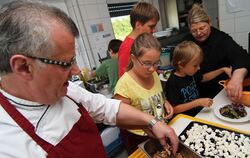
x=205, y=102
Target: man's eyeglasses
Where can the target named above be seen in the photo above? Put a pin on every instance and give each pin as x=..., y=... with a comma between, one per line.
x=55, y=62
x=149, y=65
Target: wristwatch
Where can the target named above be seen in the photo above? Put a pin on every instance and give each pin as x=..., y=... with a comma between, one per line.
x=153, y=122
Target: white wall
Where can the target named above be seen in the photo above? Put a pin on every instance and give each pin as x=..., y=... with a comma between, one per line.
x=80, y=47
x=237, y=24
x=87, y=14
x=212, y=9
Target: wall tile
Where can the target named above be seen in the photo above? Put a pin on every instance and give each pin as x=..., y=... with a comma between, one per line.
x=101, y=1
x=224, y=14
x=242, y=38
x=232, y=35
x=242, y=24
x=83, y=12
x=222, y=2
x=91, y=59
x=84, y=2
x=72, y=14
x=107, y=24
x=245, y=11
x=227, y=25
x=69, y=4
x=92, y=12
x=90, y=1
x=86, y=42
x=103, y=11
x=73, y=2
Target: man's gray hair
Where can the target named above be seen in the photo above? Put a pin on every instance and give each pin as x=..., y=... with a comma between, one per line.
x=25, y=28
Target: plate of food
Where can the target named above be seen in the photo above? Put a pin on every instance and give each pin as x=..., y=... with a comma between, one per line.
x=232, y=112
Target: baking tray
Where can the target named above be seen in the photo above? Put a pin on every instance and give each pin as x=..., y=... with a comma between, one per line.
x=151, y=146
x=214, y=129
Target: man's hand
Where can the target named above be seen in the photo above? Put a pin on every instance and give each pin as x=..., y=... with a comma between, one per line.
x=163, y=133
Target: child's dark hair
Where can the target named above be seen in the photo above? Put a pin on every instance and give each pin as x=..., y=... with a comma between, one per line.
x=141, y=44
x=184, y=52
x=143, y=12
x=114, y=45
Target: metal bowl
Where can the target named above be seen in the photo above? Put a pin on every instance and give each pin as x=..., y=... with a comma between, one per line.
x=151, y=146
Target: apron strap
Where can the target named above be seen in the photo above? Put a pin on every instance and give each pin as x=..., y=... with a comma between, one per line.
x=23, y=123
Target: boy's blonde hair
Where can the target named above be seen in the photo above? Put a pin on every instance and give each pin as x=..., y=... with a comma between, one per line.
x=185, y=52
x=197, y=14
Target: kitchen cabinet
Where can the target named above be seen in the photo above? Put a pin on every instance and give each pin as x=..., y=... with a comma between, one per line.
x=183, y=6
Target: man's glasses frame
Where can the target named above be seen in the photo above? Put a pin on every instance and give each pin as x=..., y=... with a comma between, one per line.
x=56, y=62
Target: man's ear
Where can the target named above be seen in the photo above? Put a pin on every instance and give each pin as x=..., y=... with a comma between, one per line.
x=21, y=66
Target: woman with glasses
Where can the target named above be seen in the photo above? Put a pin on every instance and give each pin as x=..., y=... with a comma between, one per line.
x=220, y=50
x=140, y=86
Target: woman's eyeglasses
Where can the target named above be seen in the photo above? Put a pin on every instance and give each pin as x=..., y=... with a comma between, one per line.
x=148, y=64
x=55, y=62
x=200, y=29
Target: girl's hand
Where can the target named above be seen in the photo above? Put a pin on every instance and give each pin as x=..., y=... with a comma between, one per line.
x=169, y=109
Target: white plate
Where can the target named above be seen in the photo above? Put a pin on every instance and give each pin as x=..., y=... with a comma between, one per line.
x=242, y=119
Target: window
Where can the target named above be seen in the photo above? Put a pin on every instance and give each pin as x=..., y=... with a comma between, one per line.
x=120, y=19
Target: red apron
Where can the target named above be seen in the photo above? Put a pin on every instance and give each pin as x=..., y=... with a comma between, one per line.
x=82, y=141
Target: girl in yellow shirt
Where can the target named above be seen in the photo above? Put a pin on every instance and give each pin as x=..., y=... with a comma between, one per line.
x=140, y=86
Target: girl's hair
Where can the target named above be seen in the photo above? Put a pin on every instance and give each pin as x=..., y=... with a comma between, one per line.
x=197, y=14
x=141, y=45
x=185, y=52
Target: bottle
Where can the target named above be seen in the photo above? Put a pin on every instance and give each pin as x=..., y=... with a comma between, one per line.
x=85, y=74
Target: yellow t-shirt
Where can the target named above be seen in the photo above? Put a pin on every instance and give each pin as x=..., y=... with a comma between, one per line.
x=149, y=101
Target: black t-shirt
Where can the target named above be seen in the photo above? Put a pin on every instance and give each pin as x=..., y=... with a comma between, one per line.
x=181, y=90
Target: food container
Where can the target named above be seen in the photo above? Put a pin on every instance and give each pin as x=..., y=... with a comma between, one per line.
x=245, y=98
x=211, y=140
x=151, y=146
x=94, y=85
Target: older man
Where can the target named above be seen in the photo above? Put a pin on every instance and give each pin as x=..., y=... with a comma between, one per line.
x=41, y=113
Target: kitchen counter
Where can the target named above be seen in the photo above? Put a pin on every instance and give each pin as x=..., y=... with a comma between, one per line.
x=206, y=115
